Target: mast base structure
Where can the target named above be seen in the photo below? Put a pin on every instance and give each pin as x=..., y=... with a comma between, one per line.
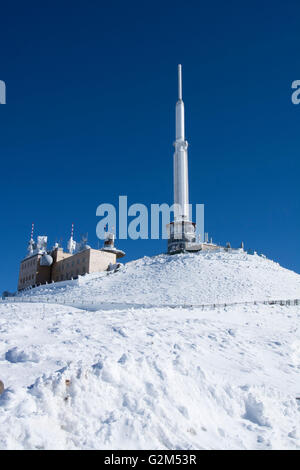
x=182, y=237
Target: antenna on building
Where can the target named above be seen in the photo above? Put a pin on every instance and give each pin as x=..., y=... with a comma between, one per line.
x=82, y=245
x=206, y=237
x=31, y=242
x=71, y=243
x=32, y=229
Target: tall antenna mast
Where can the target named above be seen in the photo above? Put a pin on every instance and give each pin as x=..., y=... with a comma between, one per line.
x=180, y=172
x=179, y=82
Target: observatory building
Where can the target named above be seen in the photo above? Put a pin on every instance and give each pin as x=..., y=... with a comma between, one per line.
x=42, y=266
x=182, y=231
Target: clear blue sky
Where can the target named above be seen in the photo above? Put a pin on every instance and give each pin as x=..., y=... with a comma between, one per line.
x=91, y=90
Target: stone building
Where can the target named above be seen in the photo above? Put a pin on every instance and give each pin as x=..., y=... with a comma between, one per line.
x=32, y=273
x=42, y=266
x=84, y=262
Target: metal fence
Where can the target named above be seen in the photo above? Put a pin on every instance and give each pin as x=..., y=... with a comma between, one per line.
x=93, y=305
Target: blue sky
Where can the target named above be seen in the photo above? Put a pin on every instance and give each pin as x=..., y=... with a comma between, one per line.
x=91, y=91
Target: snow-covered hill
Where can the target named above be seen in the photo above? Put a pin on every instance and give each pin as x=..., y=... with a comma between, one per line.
x=163, y=377
x=184, y=279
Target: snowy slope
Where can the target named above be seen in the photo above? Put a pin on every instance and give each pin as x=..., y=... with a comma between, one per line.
x=176, y=378
x=186, y=278
x=160, y=378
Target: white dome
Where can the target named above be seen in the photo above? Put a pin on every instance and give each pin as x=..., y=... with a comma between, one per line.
x=46, y=260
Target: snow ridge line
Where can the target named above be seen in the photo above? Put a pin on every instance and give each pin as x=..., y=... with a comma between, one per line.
x=94, y=306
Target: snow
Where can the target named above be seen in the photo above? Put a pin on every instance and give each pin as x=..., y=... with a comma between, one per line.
x=155, y=377
x=212, y=277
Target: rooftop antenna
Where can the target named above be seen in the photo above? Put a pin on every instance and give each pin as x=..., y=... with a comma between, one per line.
x=71, y=244
x=32, y=229
x=31, y=242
